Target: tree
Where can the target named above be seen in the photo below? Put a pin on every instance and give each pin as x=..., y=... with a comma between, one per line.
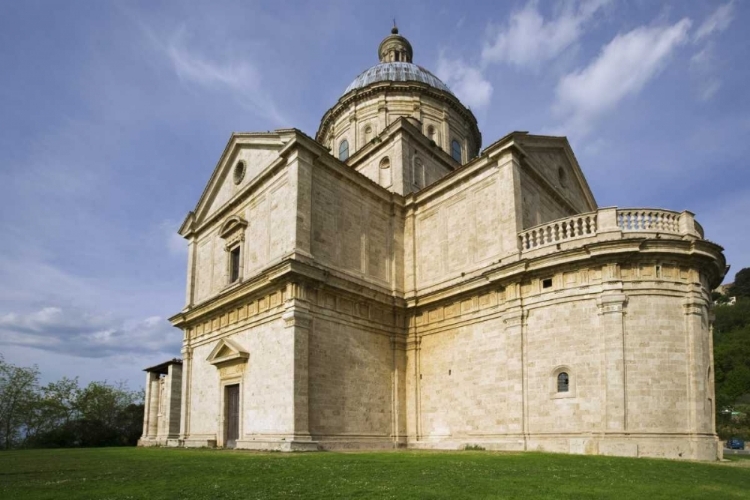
x=732, y=366
x=18, y=394
x=50, y=419
x=106, y=414
x=741, y=286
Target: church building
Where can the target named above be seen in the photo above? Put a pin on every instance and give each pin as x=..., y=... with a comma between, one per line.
x=390, y=284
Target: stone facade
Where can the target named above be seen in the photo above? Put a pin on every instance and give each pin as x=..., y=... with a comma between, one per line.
x=404, y=298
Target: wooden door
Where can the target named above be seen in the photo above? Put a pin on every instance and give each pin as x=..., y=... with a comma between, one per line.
x=232, y=419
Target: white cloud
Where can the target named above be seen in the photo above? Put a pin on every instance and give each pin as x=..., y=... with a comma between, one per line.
x=528, y=39
x=717, y=22
x=703, y=63
x=239, y=77
x=465, y=81
x=623, y=68
x=703, y=68
x=83, y=334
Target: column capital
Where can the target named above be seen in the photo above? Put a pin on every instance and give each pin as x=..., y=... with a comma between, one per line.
x=612, y=303
x=297, y=318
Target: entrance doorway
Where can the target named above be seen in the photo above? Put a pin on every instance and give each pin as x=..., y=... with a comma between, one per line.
x=232, y=415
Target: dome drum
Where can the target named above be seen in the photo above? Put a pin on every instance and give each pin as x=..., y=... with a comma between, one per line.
x=398, y=88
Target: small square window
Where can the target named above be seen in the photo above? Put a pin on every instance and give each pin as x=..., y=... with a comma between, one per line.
x=547, y=283
x=234, y=264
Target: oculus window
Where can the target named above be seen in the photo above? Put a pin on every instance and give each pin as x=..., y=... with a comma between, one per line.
x=239, y=172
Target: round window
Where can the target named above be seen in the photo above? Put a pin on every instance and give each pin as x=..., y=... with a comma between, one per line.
x=239, y=172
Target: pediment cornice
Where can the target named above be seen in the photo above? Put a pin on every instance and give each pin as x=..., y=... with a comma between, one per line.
x=227, y=350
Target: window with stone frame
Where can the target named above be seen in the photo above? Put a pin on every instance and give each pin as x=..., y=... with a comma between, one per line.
x=233, y=233
x=456, y=152
x=234, y=264
x=563, y=382
x=344, y=150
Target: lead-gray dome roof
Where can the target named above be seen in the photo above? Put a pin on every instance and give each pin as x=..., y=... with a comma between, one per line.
x=397, y=72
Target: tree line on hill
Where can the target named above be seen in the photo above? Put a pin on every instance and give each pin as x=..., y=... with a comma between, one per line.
x=65, y=414
x=732, y=359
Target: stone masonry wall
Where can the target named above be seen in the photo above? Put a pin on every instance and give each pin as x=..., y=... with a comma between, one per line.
x=351, y=232
x=351, y=386
x=470, y=363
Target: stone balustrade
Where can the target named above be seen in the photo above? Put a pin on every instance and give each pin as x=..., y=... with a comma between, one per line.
x=610, y=220
x=559, y=230
x=638, y=219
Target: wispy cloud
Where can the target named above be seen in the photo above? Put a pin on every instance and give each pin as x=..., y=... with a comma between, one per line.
x=717, y=22
x=196, y=67
x=703, y=65
x=466, y=81
x=623, y=68
x=528, y=39
x=83, y=334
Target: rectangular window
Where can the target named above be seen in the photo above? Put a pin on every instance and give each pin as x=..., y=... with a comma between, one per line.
x=234, y=265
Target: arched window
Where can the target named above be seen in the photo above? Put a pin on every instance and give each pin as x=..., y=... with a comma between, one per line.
x=563, y=382
x=456, y=150
x=344, y=150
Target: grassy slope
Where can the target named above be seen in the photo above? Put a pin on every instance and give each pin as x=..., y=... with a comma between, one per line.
x=124, y=473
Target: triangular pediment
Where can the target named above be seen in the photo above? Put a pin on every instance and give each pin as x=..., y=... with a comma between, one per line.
x=227, y=350
x=417, y=140
x=245, y=158
x=552, y=159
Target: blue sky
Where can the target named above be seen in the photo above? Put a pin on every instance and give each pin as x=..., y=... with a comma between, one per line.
x=113, y=115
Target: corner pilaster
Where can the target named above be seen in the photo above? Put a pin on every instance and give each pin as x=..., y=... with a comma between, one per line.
x=298, y=322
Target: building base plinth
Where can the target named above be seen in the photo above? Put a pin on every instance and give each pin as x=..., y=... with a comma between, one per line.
x=199, y=443
x=275, y=445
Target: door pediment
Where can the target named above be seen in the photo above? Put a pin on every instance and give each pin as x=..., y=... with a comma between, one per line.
x=225, y=351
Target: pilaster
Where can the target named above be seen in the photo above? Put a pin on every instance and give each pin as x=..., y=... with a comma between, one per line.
x=298, y=322
x=187, y=364
x=300, y=164
x=514, y=320
x=611, y=306
x=173, y=404
x=398, y=391
x=413, y=382
x=697, y=347
x=190, y=286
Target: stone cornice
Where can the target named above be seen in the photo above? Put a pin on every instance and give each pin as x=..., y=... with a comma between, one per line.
x=287, y=271
x=594, y=252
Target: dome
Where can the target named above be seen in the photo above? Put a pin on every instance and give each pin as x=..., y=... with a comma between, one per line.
x=397, y=72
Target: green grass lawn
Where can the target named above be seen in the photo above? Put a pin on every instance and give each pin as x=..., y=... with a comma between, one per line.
x=154, y=473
